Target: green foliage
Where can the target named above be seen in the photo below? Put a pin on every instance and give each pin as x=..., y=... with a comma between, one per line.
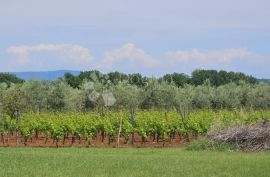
x=137, y=79
x=117, y=77
x=205, y=89
x=218, y=78
x=159, y=95
x=206, y=145
x=13, y=100
x=56, y=95
x=160, y=125
x=179, y=79
x=36, y=94
x=10, y=79
x=127, y=95
x=72, y=80
x=198, y=77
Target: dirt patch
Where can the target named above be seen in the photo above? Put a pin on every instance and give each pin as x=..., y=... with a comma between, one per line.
x=70, y=141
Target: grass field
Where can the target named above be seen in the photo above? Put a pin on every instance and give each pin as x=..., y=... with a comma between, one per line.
x=130, y=162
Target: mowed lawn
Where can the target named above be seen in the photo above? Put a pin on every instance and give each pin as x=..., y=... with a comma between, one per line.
x=130, y=162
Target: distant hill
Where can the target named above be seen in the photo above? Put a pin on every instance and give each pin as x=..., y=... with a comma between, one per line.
x=53, y=75
x=44, y=75
x=267, y=81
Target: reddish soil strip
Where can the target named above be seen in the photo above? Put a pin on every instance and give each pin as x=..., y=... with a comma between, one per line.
x=70, y=141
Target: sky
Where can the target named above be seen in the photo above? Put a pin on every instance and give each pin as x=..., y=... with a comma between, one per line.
x=152, y=37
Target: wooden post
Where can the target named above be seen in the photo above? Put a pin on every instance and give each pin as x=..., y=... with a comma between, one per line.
x=120, y=127
x=17, y=128
x=3, y=125
x=132, y=121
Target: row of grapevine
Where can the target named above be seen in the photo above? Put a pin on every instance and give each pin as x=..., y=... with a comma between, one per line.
x=161, y=126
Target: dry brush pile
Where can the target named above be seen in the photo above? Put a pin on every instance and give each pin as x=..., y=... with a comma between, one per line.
x=254, y=137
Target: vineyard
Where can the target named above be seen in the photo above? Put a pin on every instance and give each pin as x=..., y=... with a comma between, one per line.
x=117, y=128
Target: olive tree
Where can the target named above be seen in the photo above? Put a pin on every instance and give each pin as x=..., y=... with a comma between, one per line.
x=128, y=96
x=75, y=100
x=203, y=95
x=159, y=95
x=57, y=95
x=36, y=93
x=259, y=97
x=13, y=100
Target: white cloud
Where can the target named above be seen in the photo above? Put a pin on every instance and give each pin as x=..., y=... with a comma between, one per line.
x=74, y=54
x=129, y=58
x=223, y=56
x=129, y=53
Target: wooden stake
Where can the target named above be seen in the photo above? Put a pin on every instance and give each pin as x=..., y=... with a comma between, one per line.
x=3, y=125
x=17, y=128
x=120, y=127
x=132, y=121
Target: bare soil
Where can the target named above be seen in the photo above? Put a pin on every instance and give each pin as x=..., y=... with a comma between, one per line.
x=70, y=141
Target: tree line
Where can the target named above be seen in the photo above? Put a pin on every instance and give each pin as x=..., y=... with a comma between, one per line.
x=198, y=77
x=93, y=90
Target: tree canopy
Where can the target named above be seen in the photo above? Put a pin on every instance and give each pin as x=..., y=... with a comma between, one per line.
x=9, y=79
x=93, y=90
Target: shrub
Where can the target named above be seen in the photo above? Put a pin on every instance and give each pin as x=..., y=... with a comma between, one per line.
x=206, y=145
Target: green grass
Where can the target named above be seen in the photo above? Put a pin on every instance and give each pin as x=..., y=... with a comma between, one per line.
x=206, y=145
x=130, y=162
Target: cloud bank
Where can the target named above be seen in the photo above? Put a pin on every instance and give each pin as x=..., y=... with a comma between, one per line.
x=129, y=53
x=129, y=58
x=222, y=56
x=74, y=54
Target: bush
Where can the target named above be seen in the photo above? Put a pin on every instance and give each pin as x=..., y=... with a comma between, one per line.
x=206, y=145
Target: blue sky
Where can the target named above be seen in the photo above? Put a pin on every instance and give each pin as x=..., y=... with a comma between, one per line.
x=149, y=36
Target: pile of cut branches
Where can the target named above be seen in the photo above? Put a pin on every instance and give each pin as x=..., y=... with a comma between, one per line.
x=248, y=137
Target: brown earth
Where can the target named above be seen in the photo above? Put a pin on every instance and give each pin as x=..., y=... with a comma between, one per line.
x=40, y=141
